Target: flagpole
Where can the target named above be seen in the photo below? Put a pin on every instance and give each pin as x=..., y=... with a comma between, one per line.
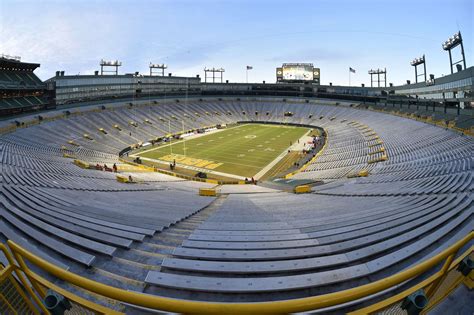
x=247, y=74
x=169, y=130
x=184, y=141
x=349, y=76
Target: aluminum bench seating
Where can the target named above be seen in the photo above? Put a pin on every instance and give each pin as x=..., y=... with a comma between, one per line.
x=316, y=239
x=301, y=264
x=11, y=234
x=116, y=229
x=58, y=232
x=71, y=225
x=313, y=224
x=48, y=241
x=327, y=231
x=307, y=280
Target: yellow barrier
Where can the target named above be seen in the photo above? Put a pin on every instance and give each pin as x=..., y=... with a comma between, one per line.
x=209, y=192
x=434, y=293
x=376, y=137
x=381, y=150
x=363, y=173
x=81, y=164
x=302, y=189
x=26, y=298
x=379, y=142
x=122, y=179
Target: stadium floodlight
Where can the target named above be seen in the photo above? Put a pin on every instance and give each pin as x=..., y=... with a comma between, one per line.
x=415, y=63
x=378, y=72
x=109, y=64
x=213, y=71
x=451, y=43
x=418, y=61
x=161, y=66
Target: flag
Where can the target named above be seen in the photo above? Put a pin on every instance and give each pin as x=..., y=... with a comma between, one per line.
x=249, y=67
x=352, y=70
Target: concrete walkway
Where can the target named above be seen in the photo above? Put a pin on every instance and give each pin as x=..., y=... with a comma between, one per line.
x=295, y=147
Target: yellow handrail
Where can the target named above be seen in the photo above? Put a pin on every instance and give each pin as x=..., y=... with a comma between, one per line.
x=23, y=281
x=427, y=283
x=286, y=306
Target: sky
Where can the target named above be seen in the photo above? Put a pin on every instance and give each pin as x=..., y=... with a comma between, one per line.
x=188, y=35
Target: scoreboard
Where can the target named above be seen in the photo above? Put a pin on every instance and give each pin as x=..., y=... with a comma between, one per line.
x=298, y=72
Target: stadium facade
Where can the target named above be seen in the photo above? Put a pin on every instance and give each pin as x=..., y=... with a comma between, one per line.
x=454, y=89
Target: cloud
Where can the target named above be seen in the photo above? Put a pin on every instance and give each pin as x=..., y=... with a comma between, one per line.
x=61, y=40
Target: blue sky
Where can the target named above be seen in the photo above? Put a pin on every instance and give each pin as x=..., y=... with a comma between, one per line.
x=73, y=35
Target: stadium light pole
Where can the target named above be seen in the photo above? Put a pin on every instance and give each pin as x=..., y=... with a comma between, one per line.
x=415, y=63
x=452, y=42
x=378, y=72
x=162, y=67
x=220, y=71
x=109, y=64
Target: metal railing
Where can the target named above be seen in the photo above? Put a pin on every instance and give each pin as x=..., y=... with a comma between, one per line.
x=31, y=288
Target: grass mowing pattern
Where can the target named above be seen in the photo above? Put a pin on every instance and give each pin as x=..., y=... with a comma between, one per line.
x=243, y=150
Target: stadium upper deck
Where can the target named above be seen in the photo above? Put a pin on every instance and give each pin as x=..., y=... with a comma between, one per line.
x=20, y=89
x=454, y=90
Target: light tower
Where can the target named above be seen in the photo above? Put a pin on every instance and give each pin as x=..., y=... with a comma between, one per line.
x=452, y=42
x=162, y=67
x=415, y=63
x=378, y=72
x=213, y=71
x=109, y=64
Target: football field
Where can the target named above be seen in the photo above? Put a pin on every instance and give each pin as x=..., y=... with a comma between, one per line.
x=242, y=150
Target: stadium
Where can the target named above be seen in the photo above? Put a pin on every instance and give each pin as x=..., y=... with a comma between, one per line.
x=153, y=193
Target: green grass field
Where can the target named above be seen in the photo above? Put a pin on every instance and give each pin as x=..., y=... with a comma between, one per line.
x=242, y=150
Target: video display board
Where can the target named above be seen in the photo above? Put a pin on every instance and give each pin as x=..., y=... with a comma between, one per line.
x=298, y=72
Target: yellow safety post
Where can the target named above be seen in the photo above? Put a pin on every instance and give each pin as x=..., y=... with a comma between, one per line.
x=302, y=189
x=81, y=164
x=209, y=192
